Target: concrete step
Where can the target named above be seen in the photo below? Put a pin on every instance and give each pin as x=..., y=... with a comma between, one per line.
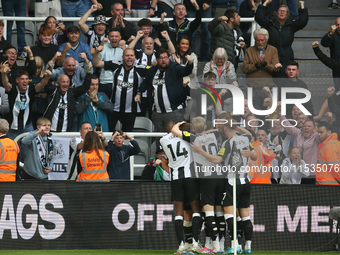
x=322, y=11
x=302, y=48
x=317, y=34
x=320, y=23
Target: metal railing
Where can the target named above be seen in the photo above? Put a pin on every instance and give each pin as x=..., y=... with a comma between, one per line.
x=154, y=20
x=107, y=135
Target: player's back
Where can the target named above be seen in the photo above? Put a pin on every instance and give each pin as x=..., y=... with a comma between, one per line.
x=179, y=155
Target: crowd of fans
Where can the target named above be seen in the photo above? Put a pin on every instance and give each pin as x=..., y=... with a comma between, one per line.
x=89, y=77
x=114, y=70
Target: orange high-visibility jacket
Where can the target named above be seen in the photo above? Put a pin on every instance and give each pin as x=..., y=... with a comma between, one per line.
x=328, y=167
x=259, y=169
x=93, y=168
x=8, y=159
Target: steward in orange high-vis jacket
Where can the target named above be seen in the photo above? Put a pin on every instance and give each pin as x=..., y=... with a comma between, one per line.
x=328, y=166
x=9, y=151
x=93, y=160
x=259, y=170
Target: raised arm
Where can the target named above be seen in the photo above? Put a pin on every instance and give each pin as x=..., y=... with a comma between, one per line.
x=43, y=82
x=136, y=39
x=322, y=111
x=171, y=46
x=331, y=63
x=4, y=107
x=212, y=158
x=82, y=22
x=175, y=129
x=95, y=60
x=4, y=69
x=61, y=59
x=53, y=60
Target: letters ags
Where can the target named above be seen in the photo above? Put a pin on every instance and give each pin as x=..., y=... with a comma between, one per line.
x=14, y=220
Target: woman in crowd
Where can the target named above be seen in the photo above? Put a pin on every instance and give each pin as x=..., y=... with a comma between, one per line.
x=93, y=160
x=224, y=69
x=59, y=30
x=281, y=28
x=183, y=49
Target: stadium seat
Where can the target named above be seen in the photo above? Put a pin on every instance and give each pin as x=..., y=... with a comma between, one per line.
x=143, y=124
x=118, y=126
x=142, y=157
x=153, y=149
x=30, y=34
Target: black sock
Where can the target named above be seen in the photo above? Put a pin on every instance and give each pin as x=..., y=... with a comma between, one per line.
x=206, y=230
x=230, y=228
x=211, y=226
x=196, y=224
x=248, y=230
x=188, y=234
x=220, y=226
x=179, y=230
x=239, y=231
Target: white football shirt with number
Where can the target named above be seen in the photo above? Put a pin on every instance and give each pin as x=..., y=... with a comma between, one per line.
x=179, y=154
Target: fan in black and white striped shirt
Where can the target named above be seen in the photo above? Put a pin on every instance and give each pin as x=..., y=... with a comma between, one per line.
x=126, y=79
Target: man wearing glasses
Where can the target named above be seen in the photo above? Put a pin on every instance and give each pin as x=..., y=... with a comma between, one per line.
x=10, y=59
x=169, y=94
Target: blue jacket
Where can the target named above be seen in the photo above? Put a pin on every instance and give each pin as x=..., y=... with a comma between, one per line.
x=82, y=47
x=119, y=163
x=87, y=114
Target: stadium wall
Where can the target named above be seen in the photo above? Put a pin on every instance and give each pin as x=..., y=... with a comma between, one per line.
x=139, y=215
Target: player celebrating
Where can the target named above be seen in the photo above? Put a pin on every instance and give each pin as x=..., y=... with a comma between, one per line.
x=211, y=182
x=183, y=187
x=235, y=152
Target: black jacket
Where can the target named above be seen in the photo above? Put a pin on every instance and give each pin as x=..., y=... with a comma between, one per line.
x=281, y=37
x=30, y=68
x=331, y=63
x=173, y=81
x=46, y=53
x=53, y=98
x=125, y=32
x=247, y=12
x=186, y=28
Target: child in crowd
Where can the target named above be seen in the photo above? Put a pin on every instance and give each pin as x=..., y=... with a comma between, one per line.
x=293, y=168
x=39, y=157
x=119, y=163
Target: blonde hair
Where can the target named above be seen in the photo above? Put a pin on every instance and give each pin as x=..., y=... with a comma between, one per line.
x=40, y=63
x=43, y=120
x=198, y=123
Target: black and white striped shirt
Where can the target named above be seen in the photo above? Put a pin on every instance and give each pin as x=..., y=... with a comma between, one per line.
x=56, y=117
x=241, y=142
x=93, y=39
x=179, y=154
x=203, y=167
x=125, y=85
x=143, y=59
x=161, y=98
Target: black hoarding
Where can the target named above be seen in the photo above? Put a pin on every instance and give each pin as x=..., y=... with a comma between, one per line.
x=139, y=215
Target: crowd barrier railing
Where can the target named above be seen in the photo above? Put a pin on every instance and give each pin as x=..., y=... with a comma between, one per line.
x=34, y=19
x=107, y=135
